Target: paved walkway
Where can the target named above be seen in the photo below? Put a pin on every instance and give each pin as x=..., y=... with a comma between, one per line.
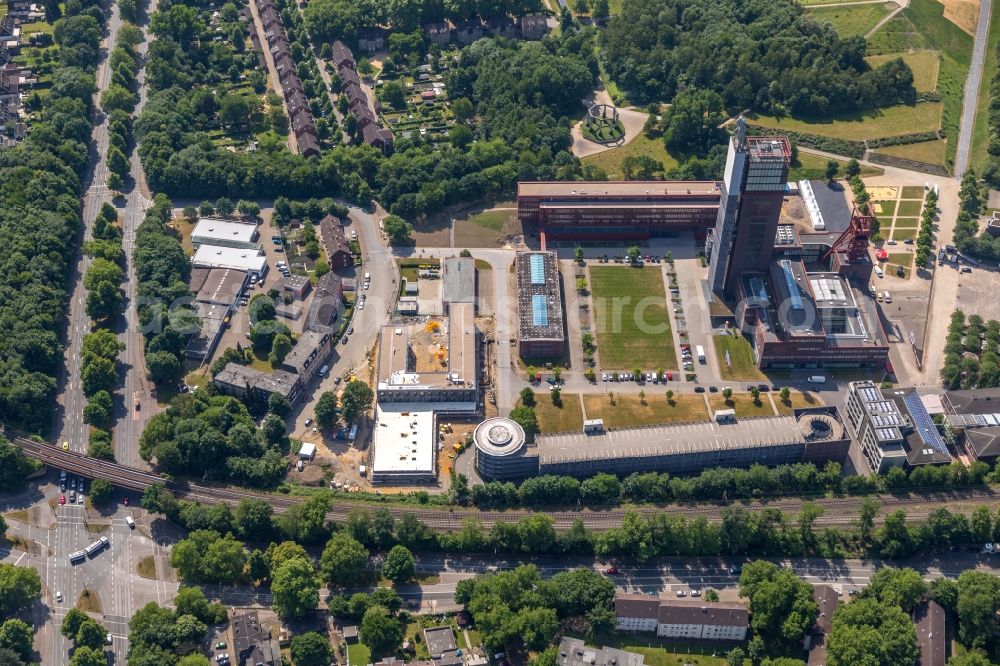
x=633, y=121
x=903, y=4
x=972, y=84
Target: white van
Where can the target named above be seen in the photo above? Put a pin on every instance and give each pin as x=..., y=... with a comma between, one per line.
x=368, y=276
x=130, y=522
x=322, y=371
x=887, y=297
x=878, y=271
x=817, y=379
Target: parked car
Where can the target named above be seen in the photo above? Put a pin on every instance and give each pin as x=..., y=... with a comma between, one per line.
x=308, y=422
x=713, y=389
x=699, y=389
x=611, y=571
x=62, y=499
x=604, y=376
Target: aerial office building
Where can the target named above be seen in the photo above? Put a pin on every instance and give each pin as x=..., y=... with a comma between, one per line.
x=540, y=329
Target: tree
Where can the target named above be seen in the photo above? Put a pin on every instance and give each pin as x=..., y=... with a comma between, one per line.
x=343, y=559
x=970, y=658
x=755, y=395
x=670, y=397
x=254, y=518
x=278, y=404
x=527, y=397
x=462, y=109
x=356, y=400
x=735, y=657
x=326, y=409
x=866, y=631
x=578, y=253
x=19, y=586
x=380, y=631
x=294, y=589
x=727, y=393
x=261, y=308
x=786, y=395
x=781, y=605
x=852, y=169
x=978, y=602
x=526, y=418
x=397, y=229
x=632, y=253
x=711, y=595
x=310, y=649
x=100, y=492
x=191, y=601
x=280, y=347
x=601, y=9
x=832, y=169
x=90, y=634
x=16, y=635
x=89, y=656
x=460, y=136
x=164, y=367
x=897, y=587
x=691, y=124
x=399, y=565
x=71, y=622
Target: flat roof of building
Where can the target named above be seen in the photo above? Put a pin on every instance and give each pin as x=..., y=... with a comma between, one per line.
x=222, y=286
x=440, y=640
x=573, y=652
x=646, y=442
x=584, y=189
x=459, y=281
x=212, y=317
x=462, y=343
x=403, y=442
x=303, y=352
x=929, y=618
x=539, y=296
x=217, y=256
x=276, y=381
x=394, y=353
x=211, y=228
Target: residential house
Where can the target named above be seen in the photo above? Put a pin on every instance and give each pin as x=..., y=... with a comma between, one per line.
x=502, y=26
x=327, y=303
x=341, y=56
x=308, y=355
x=469, y=30
x=929, y=618
x=438, y=33
x=372, y=40
x=827, y=600
x=534, y=26
x=692, y=619
x=338, y=250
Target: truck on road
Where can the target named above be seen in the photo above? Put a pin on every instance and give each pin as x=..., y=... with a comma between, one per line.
x=700, y=351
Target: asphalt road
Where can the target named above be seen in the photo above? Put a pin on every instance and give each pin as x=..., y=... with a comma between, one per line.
x=971, y=99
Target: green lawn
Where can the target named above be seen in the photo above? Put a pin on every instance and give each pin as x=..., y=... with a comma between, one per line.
x=981, y=128
x=903, y=234
x=486, y=229
x=628, y=410
x=741, y=361
x=565, y=417
x=37, y=27
x=929, y=152
x=906, y=222
x=743, y=404
x=358, y=654
x=890, y=121
x=909, y=208
x=409, y=269
x=808, y=166
x=925, y=66
x=631, y=318
x=660, y=652
x=922, y=26
x=611, y=160
x=796, y=400
x=886, y=208
x=912, y=192
x=852, y=20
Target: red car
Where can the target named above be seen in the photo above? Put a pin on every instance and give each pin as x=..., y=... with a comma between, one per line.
x=670, y=376
x=611, y=571
x=62, y=499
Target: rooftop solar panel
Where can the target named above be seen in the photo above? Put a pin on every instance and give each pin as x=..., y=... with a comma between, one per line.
x=924, y=424
x=539, y=310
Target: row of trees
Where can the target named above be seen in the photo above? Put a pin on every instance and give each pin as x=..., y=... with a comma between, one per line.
x=99, y=376
x=119, y=100
x=40, y=193
x=717, y=483
x=771, y=58
x=972, y=352
x=158, y=636
x=926, y=236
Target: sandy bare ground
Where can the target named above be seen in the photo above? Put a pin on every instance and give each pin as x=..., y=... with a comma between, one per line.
x=631, y=119
x=963, y=13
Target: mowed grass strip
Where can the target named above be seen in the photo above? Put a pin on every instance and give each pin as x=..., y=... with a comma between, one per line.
x=906, y=222
x=888, y=121
x=632, y=319
x=628, y=410
x=742, y=404
x=611, y=160
x=852, y=20
x=909, y=208
x=912, y=192
x=741, y=361
x=903, y=234
x=796, y=400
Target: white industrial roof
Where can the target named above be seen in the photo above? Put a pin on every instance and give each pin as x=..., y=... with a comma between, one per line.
x=216, y=256
x=211, y=228
x=403, y=442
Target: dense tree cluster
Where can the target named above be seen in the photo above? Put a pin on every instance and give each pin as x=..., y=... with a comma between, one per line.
x=105, y=273
x=99, y=374
x=40, y=192
x=214, y=437
x=768, y=56
x=159, y=636
x=972, y=198
x=781, y=605
x=15, y=467
x=328, y=20
x=992, y=170
x=83, y=630
x=519, y=604
x=164, y=307
x=19, y=588
x=972, y=352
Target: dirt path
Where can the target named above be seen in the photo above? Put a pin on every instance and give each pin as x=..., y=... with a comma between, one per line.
x=903, y=4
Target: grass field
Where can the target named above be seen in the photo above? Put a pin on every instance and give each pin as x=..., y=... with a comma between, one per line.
x=147, y=567
x=628, y=410
x=922, y=26
x=910, y=208
x=912, y=192
x=39, y=27
x=409, y=269
x=886, y=208
x=743, y=404
x=903, y=234
x=632, y=322
x=929, y=152
x=890, y=121
x=852, y=20
x=611, y=160
x=657, y=652
x=741, y=358
x=906, y=222
x=486, y=229
x=359, y=654
x=796, y=400
x=563, y=418
x=925, y=66
x=808, y=166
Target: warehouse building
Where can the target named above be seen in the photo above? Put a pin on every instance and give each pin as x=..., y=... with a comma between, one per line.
x=216, y=293
x=541, y=331
x=404, y=445
x=227, y=233
x=458, y=284
x=244, y=259
x=617, y=210
x=690, y=619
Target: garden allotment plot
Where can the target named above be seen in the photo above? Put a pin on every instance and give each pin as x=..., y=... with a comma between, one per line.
x=631, y=318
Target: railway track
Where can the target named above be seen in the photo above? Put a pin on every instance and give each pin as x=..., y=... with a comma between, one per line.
x=836, y=511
